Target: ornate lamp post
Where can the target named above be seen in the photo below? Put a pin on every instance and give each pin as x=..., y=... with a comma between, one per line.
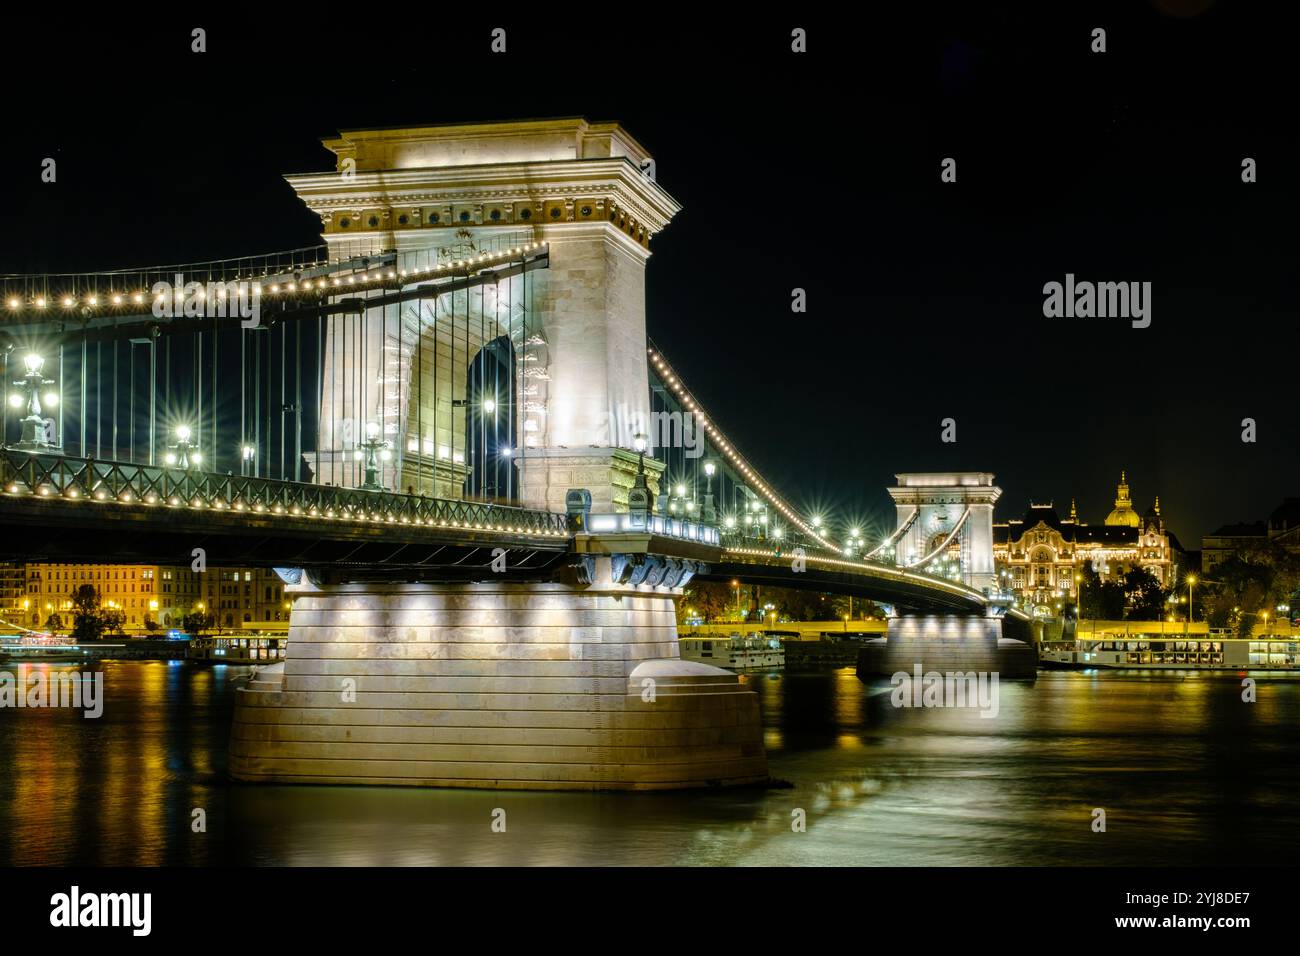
x=708, y=514
x=375, y=448
x=638, y=498
x=183, y=453
x=33, y=425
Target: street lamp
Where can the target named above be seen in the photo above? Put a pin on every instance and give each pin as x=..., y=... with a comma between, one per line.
x=375, y=448
x=707, y=513
x=246, y=455
x=34, y=433
x=183, y=452
x=1191, y=580
x=638, y=496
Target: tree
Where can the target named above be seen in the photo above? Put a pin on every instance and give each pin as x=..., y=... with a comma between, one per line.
x=1243, y=583
x=54, y=622
x=197, y=622
x=114, y=620
x=710, y=600
x=150, y=624
x=1100, y=600
x=1144, y=595
x=87, y=614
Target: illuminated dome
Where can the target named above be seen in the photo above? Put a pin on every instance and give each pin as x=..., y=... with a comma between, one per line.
x=1123, y=515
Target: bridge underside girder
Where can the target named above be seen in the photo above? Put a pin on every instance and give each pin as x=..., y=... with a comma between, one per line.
x=902, y=594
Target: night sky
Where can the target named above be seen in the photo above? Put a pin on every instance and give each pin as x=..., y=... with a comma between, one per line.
x=818, y=171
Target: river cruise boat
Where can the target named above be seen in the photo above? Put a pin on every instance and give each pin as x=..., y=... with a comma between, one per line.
x=1214, y=652
x=238, y=648
x=44, y=647
x=735, y=652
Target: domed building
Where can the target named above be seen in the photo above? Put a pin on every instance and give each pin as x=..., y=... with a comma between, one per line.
x=1041, y=556
x=1123, y=516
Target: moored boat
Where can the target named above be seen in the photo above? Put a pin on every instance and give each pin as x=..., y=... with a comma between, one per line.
x=1213, y=652
x=734, y=652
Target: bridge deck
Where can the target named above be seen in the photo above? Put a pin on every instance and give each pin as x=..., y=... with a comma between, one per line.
x=72, y=509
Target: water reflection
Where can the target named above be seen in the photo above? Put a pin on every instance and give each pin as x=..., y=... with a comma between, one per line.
x=1186, y=771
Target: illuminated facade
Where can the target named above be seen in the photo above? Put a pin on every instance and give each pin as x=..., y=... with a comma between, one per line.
x=163, y=595
x=1041, y=556
x=1281, y=528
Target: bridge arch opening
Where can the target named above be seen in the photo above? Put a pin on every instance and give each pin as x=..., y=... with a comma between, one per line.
x=491, y=408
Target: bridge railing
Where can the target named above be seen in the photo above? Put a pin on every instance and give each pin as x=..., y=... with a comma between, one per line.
x=48, y=476
x=663, y=525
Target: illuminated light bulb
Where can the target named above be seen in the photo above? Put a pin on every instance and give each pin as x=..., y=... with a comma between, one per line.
x=67, y=302
x=138, y=298
x=196, y=458
x=14, y=303
x=40, y=303
x=117, y=300
x=51, y=399
x=16, y=401
x=183, y=432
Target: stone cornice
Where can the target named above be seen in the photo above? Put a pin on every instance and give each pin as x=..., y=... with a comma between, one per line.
x=615, y=179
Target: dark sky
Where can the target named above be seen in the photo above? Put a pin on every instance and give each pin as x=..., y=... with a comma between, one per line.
x=818, y=171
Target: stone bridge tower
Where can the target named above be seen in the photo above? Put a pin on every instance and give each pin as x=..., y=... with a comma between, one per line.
x=931, y=506
x=584, y=188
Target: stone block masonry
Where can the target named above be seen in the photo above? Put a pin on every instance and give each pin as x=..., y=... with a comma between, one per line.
x=510, y=686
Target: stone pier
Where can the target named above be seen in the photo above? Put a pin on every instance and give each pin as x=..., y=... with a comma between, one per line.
x=947, y=642
x=515, y=686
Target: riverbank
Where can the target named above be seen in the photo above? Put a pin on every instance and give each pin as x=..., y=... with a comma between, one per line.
x=132, y=649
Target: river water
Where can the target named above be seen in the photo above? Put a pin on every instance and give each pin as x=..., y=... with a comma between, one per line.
x=1186, y=772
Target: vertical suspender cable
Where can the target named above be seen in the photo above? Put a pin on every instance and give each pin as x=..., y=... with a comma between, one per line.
x=284, y=341
x=297, y=403
x=130, y=391
x=216, y=448
x=115, y=389
x=198, y=385
x=62, y=392
x=99, y=366
x=257, y=404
